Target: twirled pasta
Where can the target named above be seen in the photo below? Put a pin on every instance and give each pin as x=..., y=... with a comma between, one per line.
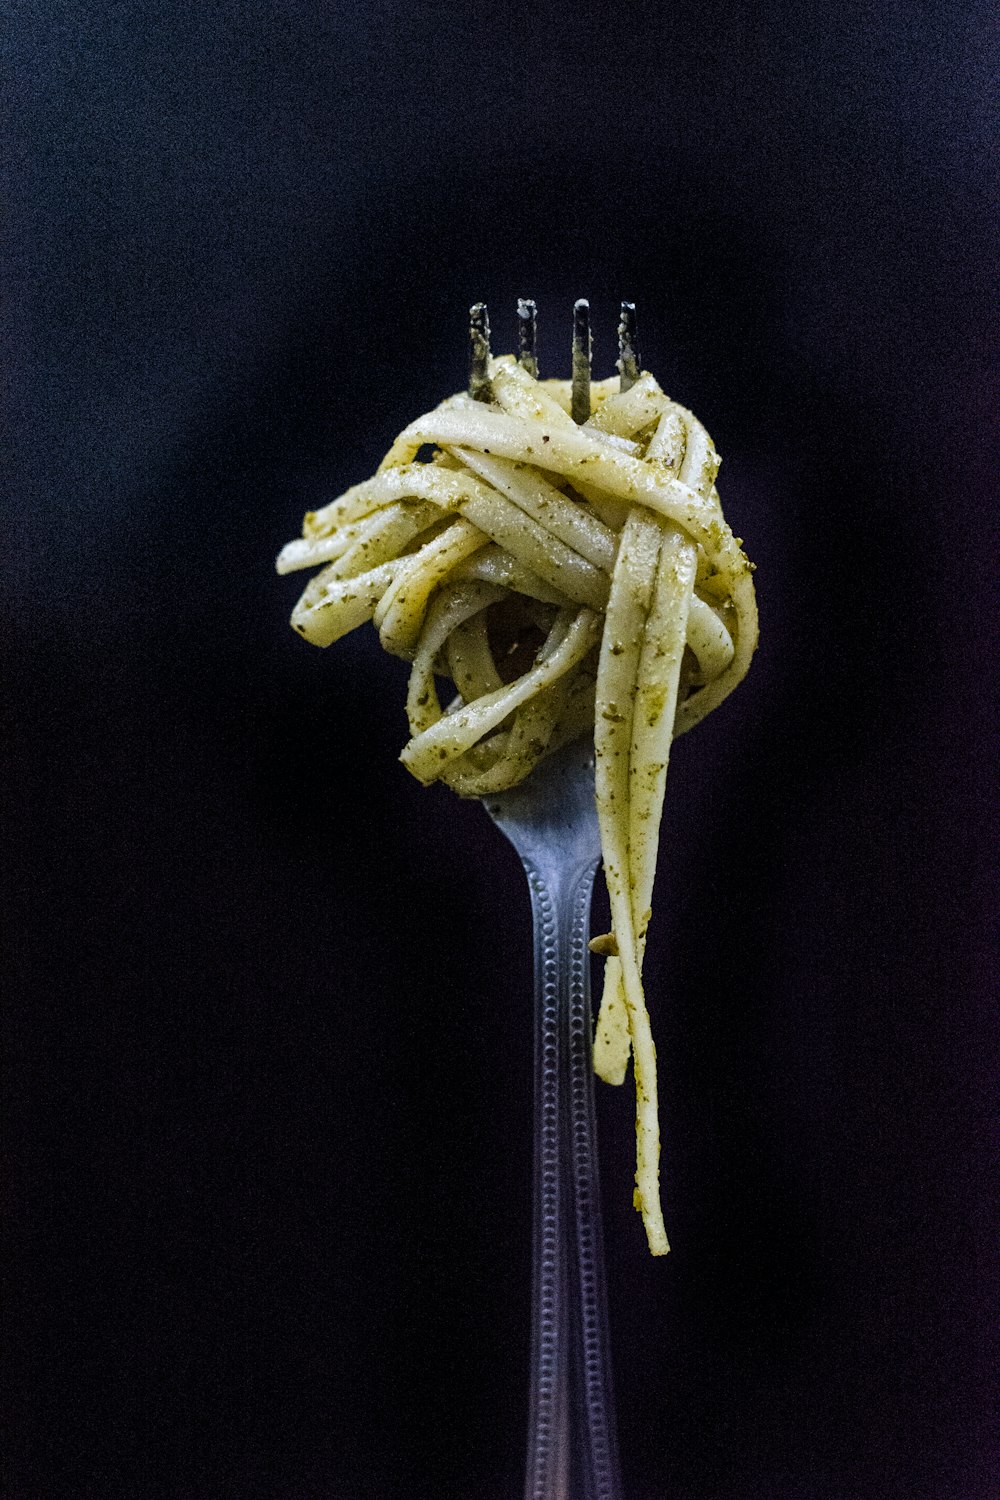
x=567, y=579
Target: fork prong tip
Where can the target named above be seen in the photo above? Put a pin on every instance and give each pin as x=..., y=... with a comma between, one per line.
x=527, y=315
x=628, y=353
x=479, y=352
x=582, y=349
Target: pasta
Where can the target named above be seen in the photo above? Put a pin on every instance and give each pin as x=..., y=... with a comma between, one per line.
x=568, y=579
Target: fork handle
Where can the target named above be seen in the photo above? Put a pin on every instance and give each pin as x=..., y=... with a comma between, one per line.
x=572, y=1439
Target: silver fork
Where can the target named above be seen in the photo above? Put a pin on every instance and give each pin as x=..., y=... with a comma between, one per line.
x=551, y=820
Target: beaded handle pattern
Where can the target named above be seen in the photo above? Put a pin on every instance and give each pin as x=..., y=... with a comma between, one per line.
x=572, y=1445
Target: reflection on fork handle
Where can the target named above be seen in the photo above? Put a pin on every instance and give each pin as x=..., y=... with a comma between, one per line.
x=572, y=1441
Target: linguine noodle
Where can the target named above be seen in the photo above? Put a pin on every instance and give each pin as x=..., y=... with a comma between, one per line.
x=567, y=579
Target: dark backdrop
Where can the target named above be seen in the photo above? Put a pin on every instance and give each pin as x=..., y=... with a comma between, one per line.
x=268, y=1056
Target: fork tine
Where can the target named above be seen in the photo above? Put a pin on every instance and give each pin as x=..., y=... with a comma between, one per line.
x=527, y=336
x=628, y=353
x=582, y=346
x=479, y=352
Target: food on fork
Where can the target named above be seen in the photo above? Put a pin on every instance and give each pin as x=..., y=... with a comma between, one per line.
x=557, y=549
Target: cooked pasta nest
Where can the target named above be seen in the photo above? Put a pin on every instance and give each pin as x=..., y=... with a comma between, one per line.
x=568, y=580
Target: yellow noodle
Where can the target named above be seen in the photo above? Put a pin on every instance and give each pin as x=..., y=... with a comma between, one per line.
x=569, y=580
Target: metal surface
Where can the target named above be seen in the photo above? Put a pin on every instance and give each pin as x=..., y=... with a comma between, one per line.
x=527, y=330
x=628, y=353
x=582, y=350
x=479, y=352
x=551, y=820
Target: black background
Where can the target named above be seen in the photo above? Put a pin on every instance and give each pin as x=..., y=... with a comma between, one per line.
x=268, y=1056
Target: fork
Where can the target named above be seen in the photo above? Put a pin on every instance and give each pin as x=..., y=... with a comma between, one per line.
x=551, y=820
